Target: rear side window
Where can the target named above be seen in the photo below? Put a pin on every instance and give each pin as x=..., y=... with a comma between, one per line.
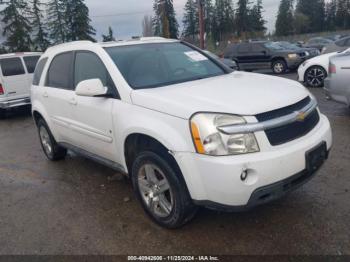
x=12, y=66
x=30, y=62
x=60, y=72
x=39, y=71
x=244, y=48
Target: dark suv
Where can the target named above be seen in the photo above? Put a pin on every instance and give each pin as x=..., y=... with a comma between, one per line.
x=264, y=55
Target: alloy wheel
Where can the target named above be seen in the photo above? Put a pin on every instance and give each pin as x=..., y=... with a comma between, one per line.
x=45, y=140
x=155, y=190
x=278, y=68
x=315, y=77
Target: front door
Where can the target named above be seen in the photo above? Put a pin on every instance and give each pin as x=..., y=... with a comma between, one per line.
x=92, y=122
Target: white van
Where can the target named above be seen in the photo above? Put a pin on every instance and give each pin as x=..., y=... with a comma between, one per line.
x=16, y=75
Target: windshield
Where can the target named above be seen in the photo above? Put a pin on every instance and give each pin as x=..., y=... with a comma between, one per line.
x=160, y=64
x=274, y=46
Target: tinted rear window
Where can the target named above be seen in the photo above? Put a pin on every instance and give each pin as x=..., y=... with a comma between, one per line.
x=60, y=72
x=12, y=66
x=31, y=62
x=38, y=71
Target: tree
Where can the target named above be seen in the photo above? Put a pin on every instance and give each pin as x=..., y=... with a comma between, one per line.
x=40, y=40
x=224, y=19
x=190, y=20
x=17, y=27
x=56, y=20
x=343, y=14
x=257, y=22
x=78, y=21
x=242, y=17
x=110, y=37
x=147, y=27
x=164, y=20
x=284, y=22
x=314, y=10
x=331, y=13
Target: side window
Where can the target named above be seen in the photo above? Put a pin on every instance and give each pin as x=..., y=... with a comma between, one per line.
x=39, y=71
x=244, y=48
x=30, y=62
x=59, y=75
x=12, y=66
x=89, y=66
x=258, y=48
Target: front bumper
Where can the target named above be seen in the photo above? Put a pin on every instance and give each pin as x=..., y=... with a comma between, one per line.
x=218, y=179
x=7, y=104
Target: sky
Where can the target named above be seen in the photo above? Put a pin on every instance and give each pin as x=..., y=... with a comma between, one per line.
x=125, y=16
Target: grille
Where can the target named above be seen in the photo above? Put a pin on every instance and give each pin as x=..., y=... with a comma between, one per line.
x=295, y=130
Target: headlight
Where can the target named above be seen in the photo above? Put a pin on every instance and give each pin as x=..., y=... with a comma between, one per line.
x=209, y=140
x=307, y=53
x=292, y=56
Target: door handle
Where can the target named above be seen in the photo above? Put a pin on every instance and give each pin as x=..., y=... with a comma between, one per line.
x=73, y=102
x=45, y=95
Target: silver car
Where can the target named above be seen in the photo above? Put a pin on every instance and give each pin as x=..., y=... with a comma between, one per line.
x=337, y=85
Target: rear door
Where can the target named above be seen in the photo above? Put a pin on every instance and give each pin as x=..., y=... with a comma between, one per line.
x=14, y=78
x=243, y=56
x=57, y=93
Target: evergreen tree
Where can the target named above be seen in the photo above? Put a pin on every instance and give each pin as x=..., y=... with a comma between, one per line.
x=343, y=14
x=314, y=10
x=257, y=22
x=17, y=27
x=331, y=12
x=110, y=37
x=147, y=26
x=56, y=20
x=78, y=21
x=40, y=40
x=224, y=19
x=164, y=20
x=243, y=17
x=209, y=16
x=284, y=22
x=190, y=20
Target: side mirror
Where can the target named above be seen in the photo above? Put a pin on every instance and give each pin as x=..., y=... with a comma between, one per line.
x=91, y=88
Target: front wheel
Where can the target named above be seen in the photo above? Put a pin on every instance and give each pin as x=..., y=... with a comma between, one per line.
x=279, y=67
x=161, y=191
x=315, y=76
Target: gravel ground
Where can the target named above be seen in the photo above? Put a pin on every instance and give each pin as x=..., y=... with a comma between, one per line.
x=80, y=207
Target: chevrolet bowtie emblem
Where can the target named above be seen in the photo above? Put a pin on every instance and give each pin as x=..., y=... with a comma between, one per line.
x=301, y=116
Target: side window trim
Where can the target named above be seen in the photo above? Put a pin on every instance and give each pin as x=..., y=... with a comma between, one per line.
x=71, y=85
x=115, y=93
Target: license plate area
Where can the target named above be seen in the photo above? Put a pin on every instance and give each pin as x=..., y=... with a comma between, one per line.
x=316, y=157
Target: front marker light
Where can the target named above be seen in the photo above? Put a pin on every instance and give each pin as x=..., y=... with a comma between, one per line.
x=209, y=140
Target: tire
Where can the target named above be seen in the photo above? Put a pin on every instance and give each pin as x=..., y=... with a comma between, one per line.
x=315, y=76
x=52, y=150
x=162, y=192
x=279, y=67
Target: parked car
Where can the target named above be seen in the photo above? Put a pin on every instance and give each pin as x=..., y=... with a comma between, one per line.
x=16, y=75
x=314, y=71
x=306, y=53
x=263, y=55
x=337, y=85
x=228, y=62
x=318, y=42
x=187, y=130
x=337, y=46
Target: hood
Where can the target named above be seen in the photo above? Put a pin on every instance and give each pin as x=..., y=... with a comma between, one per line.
x=236, y=93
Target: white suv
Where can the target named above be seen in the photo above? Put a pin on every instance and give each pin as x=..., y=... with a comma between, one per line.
x=16, y=77
x=187, y=130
